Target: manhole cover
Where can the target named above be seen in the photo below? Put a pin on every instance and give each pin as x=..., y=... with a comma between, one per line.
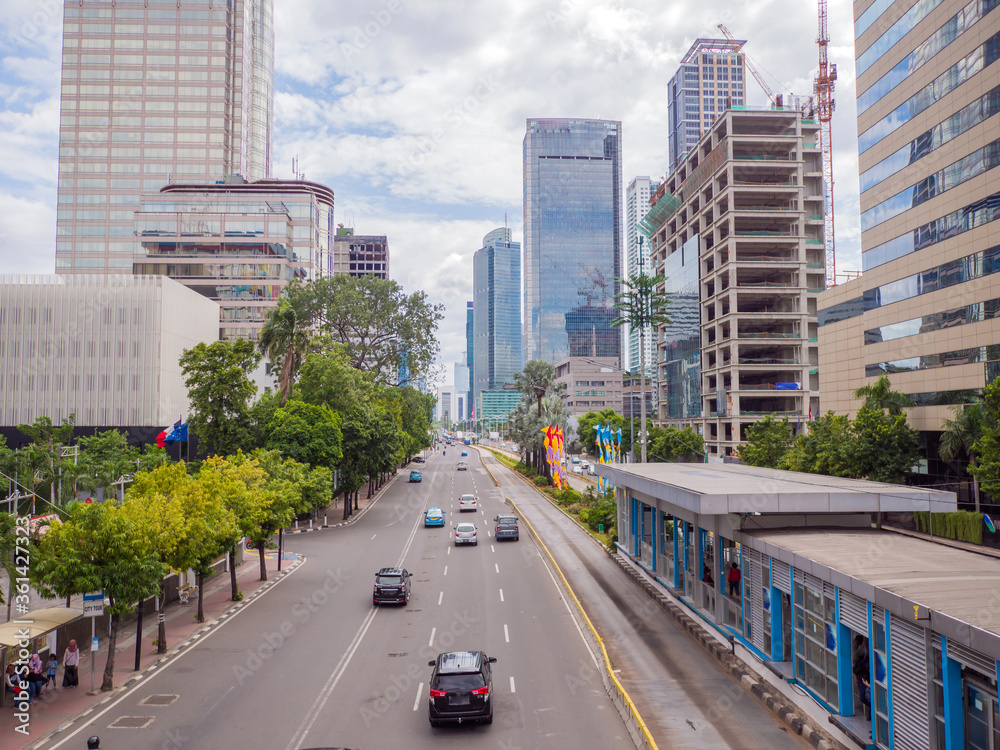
x=158, y=700
x=131, y=722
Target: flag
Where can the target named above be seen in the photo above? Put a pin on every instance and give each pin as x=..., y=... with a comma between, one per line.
x=164, y=436
x=177, y=435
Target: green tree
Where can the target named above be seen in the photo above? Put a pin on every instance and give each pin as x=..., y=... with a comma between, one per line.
x=670, y=443
x=50, y=439
x=881, y=396
x=767, y=442
x=327, y=378
x=884, y=448
x=586, y=427
x=307, y=433
x=960, y=435
x=643, y=307
x=104, y=459
x=217, y=377
x=8, y=542
x=383, y=330
x=537, y=381
x=822, y=450
x=212, y=528
x=283, y=340
x=416, y=411
x=987, y=447
x=99, y=547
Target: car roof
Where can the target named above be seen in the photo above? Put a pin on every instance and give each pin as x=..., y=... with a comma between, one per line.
x=465, y=495
x=390, y=572
x=458, y=662
x=434, y=509
x=506, y=517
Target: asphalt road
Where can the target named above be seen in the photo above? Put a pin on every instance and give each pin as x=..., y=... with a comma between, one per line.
x=312, y=664
x=682, y=693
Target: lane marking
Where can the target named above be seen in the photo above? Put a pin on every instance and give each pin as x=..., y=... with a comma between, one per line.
x=373, y=536
x=512, y=684
x=416, y=701
x=431, y=641
x=440, y=597
x=497, y=567
x=506, y=635
x=492, y=549
x=449, y=551
x=501, y=594
x=446, y=567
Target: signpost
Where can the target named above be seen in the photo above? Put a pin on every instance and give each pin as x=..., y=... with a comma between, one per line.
x=93, y=607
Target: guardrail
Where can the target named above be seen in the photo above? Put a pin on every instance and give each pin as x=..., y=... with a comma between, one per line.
x=634, y=723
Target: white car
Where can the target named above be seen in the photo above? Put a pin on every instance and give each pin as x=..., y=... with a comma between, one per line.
x=577, y=469
x=465, y=533
x=462, y=466
x=468, y=502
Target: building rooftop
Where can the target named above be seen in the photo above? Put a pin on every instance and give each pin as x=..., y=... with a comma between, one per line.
x=718, y=489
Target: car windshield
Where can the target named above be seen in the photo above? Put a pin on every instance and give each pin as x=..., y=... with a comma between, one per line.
x=466, y=527
x=390, y=580
x=468, y=497
x=506, y=521
x=460, y=683
x=434, y=512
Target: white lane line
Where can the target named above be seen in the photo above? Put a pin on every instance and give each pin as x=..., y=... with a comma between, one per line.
x=506, y=635
x=449, y=551
x=431, y=641
x=501, y=594
x=440, y=597
x=446, y=567
x=512, y=684
x=497, y=567
x=416, y=701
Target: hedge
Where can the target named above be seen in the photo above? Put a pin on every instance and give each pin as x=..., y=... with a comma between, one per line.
x=963, y=525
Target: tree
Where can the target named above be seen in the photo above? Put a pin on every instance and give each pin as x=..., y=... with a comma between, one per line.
x=767, y=442
x=104, y=459
x=824, y=449
x=49, y=439
x=987, y=447
x=283, y=340
x=884, y=448
x=670, y=443
x=8, y=543
x=960, y=436
x=217, y=377
x=881, y=396
x=384, y=331
x=99, y=547
x=586, y=427
x=642, y=306
x=416, y=412
x=327, y=378
x=307, y=433
x=536, y=381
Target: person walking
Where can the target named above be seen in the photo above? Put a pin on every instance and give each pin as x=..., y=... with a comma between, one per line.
x=71, y=660
x=50, y=670
x=861, y=668
x=733, y=578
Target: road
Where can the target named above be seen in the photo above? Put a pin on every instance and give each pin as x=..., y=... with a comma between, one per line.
x=312, y=663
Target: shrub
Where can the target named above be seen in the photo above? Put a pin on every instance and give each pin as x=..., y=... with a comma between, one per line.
x=963, y=525
x=541, y=481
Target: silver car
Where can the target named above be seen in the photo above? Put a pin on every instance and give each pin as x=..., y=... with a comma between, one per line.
x=468, y=502
x=465, y=533
x=462, y=466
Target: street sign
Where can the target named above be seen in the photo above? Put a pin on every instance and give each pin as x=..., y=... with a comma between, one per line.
x=93, y=604
x=93, y=645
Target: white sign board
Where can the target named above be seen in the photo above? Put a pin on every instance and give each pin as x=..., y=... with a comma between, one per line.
x=93, y=604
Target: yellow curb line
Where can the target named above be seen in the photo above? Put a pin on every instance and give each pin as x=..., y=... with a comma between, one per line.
x=600, y=641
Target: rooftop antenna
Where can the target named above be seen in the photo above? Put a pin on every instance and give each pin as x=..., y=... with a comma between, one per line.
x=295, y=169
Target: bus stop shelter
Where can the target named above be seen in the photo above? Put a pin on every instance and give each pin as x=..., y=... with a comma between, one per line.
x=25, y=630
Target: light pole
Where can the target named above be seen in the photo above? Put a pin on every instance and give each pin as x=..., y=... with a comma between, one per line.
x=631, y=418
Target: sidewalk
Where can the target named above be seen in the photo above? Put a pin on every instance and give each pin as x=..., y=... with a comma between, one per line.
x=57, y=708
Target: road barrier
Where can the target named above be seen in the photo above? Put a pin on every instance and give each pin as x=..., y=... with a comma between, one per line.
x=637, y=728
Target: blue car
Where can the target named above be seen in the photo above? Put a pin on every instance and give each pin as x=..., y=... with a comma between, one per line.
x=415, y=476
x=434, y=517
x=465, y=453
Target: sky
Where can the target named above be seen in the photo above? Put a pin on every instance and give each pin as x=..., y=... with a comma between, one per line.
x=414, y=112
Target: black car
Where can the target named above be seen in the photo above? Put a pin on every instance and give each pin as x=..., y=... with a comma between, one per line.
x=392, y=586
x=506, y=527
x=461, y=688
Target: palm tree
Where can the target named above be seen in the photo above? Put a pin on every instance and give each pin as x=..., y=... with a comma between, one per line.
x=283, y=339
x=881, y=396
x=960, y=436
x=536, y=379
x=642, y=305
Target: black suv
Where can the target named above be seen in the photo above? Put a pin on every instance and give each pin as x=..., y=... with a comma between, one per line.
x=506, y=527
x=392, y=585
x=461, y=687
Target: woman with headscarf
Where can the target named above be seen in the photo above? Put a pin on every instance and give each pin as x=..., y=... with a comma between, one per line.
x=36, y=675
x=71, y=660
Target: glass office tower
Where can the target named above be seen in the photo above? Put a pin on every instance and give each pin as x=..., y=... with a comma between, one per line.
x=496, y=307
x=153, y=94
x=572, y=238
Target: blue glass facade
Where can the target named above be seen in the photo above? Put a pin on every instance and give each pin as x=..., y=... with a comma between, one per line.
x=497, y=347
x=681, y=369
x=572, y=238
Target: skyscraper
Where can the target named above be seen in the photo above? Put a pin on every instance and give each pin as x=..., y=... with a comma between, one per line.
x=470, y=342
x=152, y=94
x=496, y=283
x=572, y=238
x=708, y=82
x=637, y=261
x=925, y=312
x=360, y=254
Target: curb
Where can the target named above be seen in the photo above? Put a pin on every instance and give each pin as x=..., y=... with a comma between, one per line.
x=353, y=519
x=736, y=667
x=179, y=649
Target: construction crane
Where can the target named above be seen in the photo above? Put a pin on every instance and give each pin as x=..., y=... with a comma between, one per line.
x=738, y=47
x=823, y=87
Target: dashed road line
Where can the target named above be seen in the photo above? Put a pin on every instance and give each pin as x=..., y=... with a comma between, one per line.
x=506, y=635
x=416, y=701
x=431, y=641
x=512, y=684
x=446, y=567
x=501, y=594
x=440, y=597
x=497, y=567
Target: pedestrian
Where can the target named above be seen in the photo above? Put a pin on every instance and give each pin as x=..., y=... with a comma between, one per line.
x=50, y=670
x=12, y=684
x=36, y=674
x=861, y=668
x=707, y=577
x=733, y=578
x=71, y=660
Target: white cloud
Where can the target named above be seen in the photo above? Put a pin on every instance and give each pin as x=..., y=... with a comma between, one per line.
x=414, y=110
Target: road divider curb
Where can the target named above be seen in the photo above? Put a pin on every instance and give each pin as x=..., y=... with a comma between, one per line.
x=637, y=728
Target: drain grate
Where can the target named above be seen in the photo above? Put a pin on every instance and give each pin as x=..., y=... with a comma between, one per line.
x=131, y=722
x=158, y=700
x=401, y=653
